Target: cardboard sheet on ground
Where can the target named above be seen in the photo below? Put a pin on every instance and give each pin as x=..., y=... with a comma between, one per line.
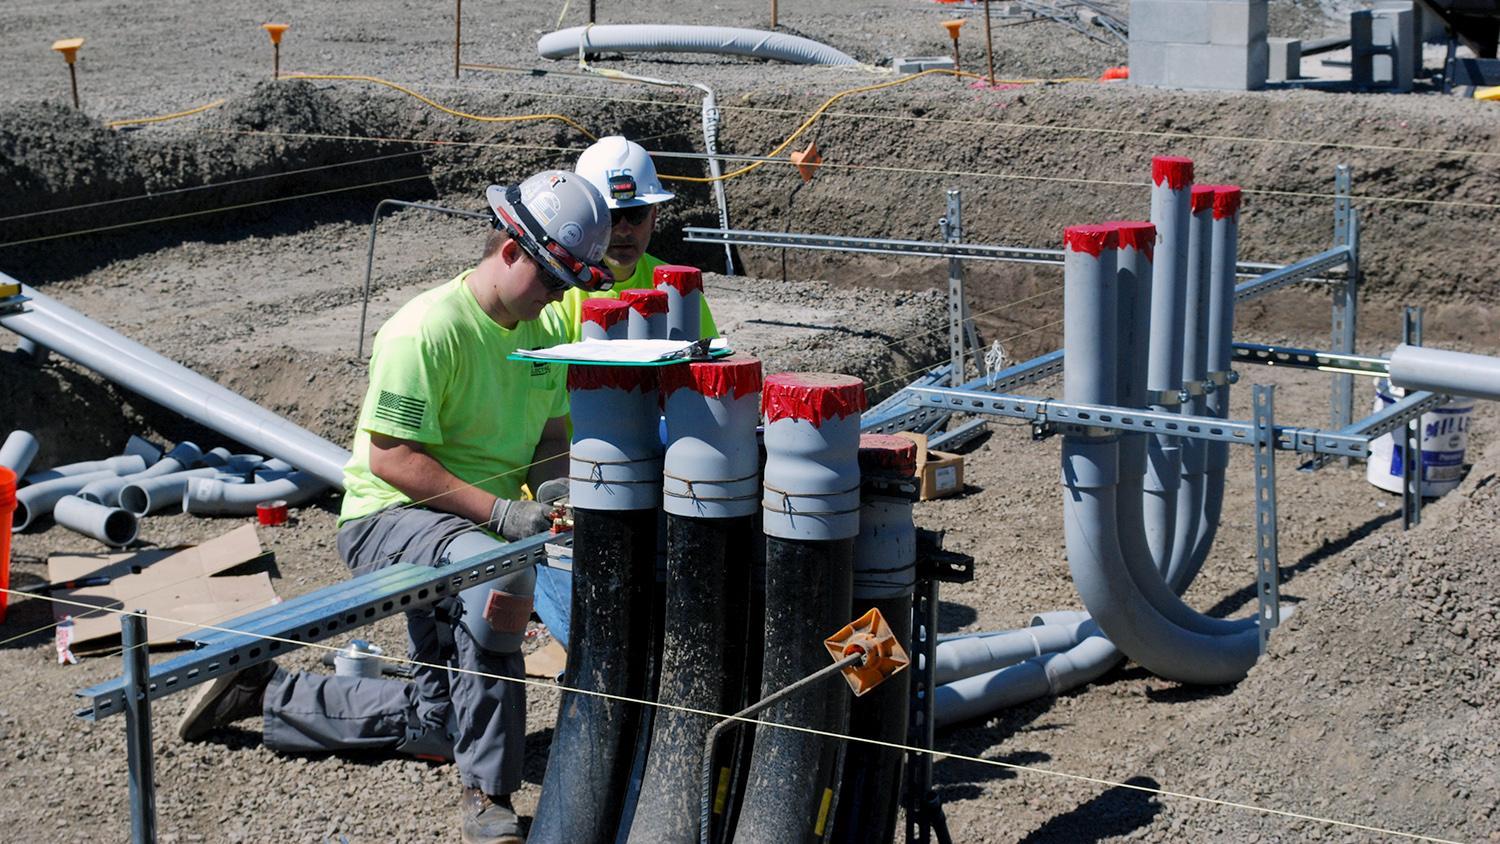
x=621, y=352
x=176, y=583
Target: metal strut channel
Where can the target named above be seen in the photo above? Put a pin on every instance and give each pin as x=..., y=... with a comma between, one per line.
x=886, y=418
x=1303, y=270
x=1267, y=555
x=376, y=596
x=1052, y=411
x=1407, y=408
x=1310, y=359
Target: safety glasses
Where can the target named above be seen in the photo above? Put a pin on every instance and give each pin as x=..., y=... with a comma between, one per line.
x=634, y=215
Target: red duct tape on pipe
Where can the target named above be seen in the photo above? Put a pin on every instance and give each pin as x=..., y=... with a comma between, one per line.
x=1202, y=199
x=883, y=454
x=628, y=378
x=646, y=302
x=1091, y=239
x=736, y=376
x=1133, y=234
x=1227, y=200
x=1176, y=172
x=812, y=396
x=604, y=311
x=685, y=279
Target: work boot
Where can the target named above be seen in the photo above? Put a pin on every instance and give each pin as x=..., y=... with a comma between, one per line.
x=488, y=820
x=226, y=700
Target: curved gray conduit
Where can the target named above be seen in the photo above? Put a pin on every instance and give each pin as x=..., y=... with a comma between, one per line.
x=125, y=464
x=958, y=659
x=18, y=451
x=74, y=336
x=213, y=497
x=151, y=495
x=109, y=525
x=1042, y=676
x=107, y=491
x=37, y=500
x=664, y=38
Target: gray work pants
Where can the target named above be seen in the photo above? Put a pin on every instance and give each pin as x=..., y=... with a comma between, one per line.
x=307, y=712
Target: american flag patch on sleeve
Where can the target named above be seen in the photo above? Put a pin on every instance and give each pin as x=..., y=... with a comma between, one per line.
x=400, y=410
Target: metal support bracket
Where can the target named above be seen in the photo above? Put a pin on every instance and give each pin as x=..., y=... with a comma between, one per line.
x=1411, y=437
x=1345, y=309
x=139, y=755
x=1267, y=560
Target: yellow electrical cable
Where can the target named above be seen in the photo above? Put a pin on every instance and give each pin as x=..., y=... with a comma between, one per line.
x=723, y=716
x=138, y=121
x=514, y=118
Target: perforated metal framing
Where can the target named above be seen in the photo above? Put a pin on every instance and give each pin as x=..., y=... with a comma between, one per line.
x=1267, y=558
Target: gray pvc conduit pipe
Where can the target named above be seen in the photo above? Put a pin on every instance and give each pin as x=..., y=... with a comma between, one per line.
x=1136, y=625
x=213, y=497
x=37, y=500
x=125, y=464
x=1059, y=617
x=960, y=658
x=174, y=386
x=664, y=38
x=107, y=491
x=1195, y=321
x=1453, y=373
x=142, y=446
x=109, y=525
x=1049, y=674
x=151, y=495
x=18, y=451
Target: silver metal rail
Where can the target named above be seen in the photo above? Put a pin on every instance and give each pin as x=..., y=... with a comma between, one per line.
x=1287, y=356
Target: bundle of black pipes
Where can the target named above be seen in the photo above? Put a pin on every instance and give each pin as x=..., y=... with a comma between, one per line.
x=710, y=494
x=810, y=509
x=885, y=573
x=615, y=472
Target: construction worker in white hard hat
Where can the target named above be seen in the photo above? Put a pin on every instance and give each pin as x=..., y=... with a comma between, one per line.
x=449, y=431
x=623, y=173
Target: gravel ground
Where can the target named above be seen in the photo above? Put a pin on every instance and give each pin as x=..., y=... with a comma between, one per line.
x=1376, y=702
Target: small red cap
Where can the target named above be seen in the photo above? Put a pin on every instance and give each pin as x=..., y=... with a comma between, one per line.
x=737, y=376
x=1091, y=239
x=7, y=490
x=646, y=302
x=604, y=311
x=1176, y=172
x=812, y=396
x=1136, y=235
x=883, y=454
x=271, y=513
x=685, y=279
x=1226, y=201
x=1202, y=198
x=587, y=377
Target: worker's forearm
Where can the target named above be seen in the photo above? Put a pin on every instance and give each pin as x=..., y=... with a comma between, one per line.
x=423, y=479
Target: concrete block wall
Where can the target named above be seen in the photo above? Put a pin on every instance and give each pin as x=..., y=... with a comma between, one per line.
x=1212, y=44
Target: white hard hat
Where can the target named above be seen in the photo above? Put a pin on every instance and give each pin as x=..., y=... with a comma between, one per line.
x=560, y=220
x=622, y=172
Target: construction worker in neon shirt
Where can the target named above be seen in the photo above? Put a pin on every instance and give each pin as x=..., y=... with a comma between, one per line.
x=624, y=175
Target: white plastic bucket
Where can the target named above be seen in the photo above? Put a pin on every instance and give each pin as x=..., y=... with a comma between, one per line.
x=1445, y=438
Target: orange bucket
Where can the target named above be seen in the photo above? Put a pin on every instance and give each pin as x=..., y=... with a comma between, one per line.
x=7, y=511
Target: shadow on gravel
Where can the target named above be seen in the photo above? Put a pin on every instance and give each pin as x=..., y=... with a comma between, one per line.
x=1239, y=598
x=952, y=617
x=1115, y=813
x=538, y=746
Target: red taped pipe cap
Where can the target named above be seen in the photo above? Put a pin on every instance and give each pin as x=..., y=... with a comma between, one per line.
x=1176, y=172
x=684, y=279
x=1091, y=239
x=812, y=396
x=736, y=376
x=883, y=454
x=7, y=490
x=585, y=377
x=604, y=311
x=1202, y=199
x=1227, y=200
x=1137, y=235
x=645, y=302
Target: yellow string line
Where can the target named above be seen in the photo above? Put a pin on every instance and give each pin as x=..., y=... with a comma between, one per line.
x=992, y=124
x=515, y=118
x=138, y=121
x=687, y=710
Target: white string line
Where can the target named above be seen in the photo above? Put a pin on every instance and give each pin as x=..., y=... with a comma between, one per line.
x=687, y=710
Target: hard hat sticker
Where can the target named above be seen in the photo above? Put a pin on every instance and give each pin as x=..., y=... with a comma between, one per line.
x=570, y=234
x=545, y=206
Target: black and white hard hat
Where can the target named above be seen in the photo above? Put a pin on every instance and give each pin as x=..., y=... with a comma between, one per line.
x=559, y=219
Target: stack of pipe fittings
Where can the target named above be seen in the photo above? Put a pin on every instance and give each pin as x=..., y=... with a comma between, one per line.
x=105, y=499
x=761, y=566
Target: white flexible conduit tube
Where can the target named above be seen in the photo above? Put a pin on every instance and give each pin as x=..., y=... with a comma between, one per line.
x=1142, y=627
x=211, y=497
x=179, y=389
x=663, y=38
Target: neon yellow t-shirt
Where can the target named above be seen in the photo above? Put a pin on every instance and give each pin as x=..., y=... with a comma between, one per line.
x=570, y=309
x=439, y=376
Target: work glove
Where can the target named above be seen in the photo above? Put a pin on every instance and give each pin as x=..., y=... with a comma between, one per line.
x=519, y=519
x=549, y=492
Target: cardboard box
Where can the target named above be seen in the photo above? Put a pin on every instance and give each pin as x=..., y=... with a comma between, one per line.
x=940, y=474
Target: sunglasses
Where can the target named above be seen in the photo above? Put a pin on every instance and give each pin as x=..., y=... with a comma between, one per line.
x=634, y=215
